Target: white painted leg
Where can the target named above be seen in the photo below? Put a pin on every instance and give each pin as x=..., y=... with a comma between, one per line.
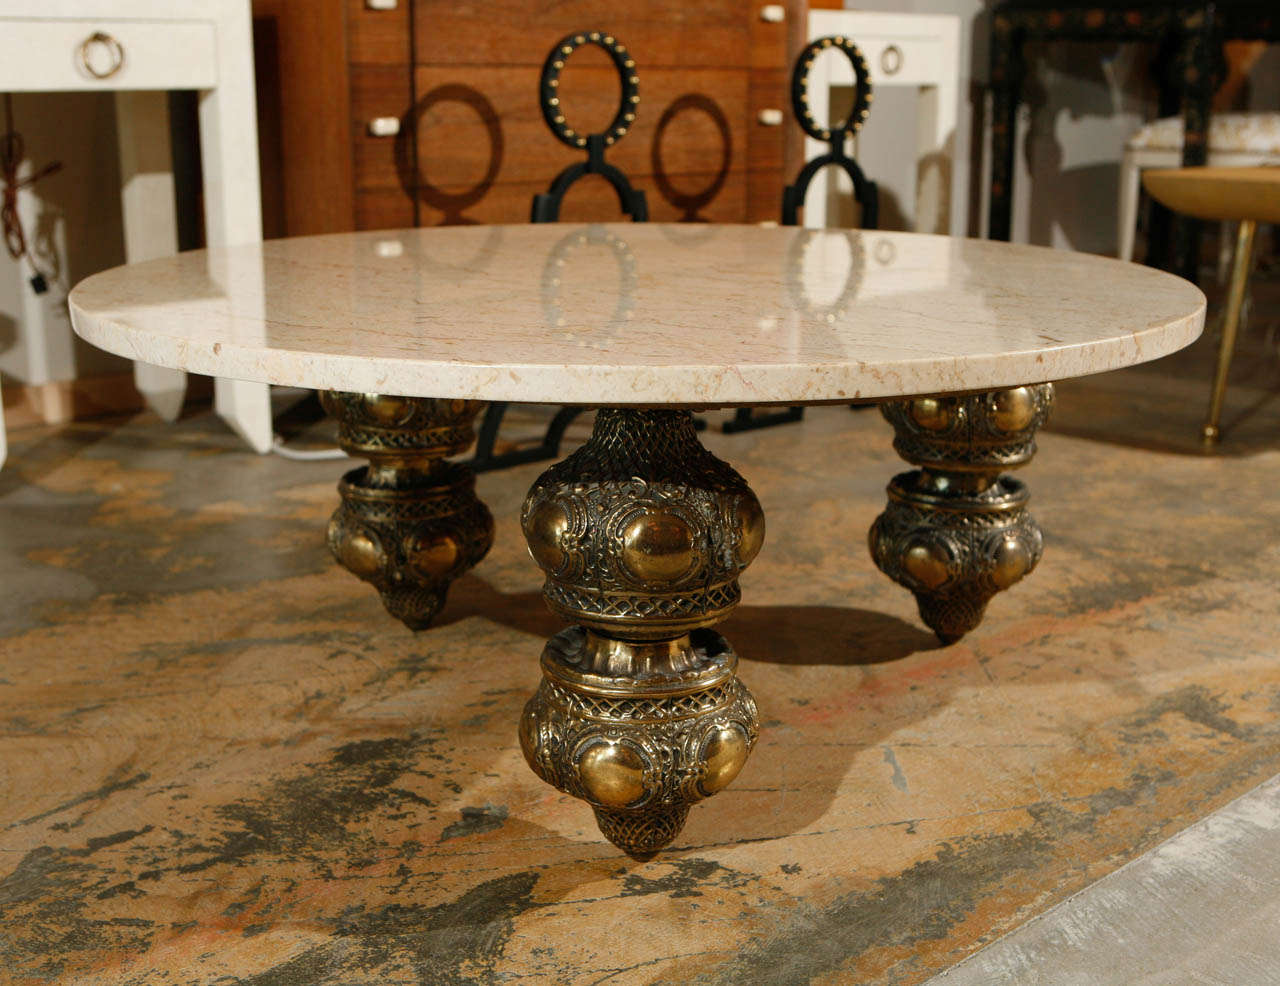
x=937, y=133
x=1130, y=179
x=164, y=389
x=940, y=199
x=246, y=407
x=233, y=208
x=150, y=219
x=43, y=351
x=935, y=156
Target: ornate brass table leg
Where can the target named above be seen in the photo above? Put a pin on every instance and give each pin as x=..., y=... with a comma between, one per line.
x=642, y=533
x=955, y=531
x=409, y=522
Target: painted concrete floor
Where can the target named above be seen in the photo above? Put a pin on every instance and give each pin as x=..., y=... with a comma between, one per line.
x=1202, y=908
x=220, y=762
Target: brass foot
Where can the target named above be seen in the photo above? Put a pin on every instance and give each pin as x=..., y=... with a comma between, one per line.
x=409, y=522
x=642, y=534
x=639, y=747
x=955, y=531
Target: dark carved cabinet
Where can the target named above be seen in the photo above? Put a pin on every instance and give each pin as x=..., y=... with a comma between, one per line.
x=1189, y=36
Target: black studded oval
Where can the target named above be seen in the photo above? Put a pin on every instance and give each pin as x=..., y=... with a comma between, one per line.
x=800, y=89
x=553, y=110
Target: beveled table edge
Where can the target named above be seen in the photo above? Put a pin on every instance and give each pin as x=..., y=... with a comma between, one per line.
x=701, y=385
x=609, y=386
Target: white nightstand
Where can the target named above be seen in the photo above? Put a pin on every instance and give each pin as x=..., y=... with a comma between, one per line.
x=139, y=49
x=919, y=51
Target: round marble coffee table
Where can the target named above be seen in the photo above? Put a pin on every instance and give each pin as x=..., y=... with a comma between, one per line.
x=641, y=532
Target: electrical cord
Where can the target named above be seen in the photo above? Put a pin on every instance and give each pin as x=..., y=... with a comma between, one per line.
x=12, y=153
x=306, y=455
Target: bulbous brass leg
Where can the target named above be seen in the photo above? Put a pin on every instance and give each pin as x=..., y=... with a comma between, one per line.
x=955, y=531
x=409, y=522
x=642, y=533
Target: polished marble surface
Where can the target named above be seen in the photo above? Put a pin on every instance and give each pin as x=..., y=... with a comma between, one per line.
x=639, y=314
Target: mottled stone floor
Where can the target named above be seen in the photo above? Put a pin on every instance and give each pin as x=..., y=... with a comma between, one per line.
x=220, y=762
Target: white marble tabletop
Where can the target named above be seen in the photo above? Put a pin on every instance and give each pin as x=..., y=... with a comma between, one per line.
x=639, y=313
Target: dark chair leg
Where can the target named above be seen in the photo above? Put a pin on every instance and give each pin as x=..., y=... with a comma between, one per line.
x=485, y=460
x=744, y=419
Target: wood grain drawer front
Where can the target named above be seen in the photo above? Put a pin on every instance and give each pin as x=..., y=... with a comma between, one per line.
x=659, y=33
x=378, y=37
x=695, y=119
x=59, y=55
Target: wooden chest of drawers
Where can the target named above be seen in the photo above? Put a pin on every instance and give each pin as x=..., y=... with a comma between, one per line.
x=385, y=113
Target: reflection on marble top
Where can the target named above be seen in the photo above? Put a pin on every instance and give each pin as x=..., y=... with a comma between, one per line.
x=638, y=314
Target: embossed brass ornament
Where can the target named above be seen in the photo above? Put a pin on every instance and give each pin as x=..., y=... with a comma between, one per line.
x=642, y=534
x=956, y=531
x=409, y=522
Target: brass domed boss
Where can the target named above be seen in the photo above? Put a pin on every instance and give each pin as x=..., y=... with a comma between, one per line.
x=612, y=772
x=1013, y=410
x=933, y=413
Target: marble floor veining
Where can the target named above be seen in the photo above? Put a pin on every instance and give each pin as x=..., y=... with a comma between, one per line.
x=221, y=762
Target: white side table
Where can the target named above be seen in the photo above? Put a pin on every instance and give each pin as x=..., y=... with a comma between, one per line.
x=920, y=51
x=139, y=49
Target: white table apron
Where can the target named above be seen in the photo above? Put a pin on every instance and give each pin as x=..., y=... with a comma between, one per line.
x=138, y=49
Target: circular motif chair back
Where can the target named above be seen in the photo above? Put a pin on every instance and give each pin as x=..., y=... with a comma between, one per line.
x=862, y=95
x=552, y=109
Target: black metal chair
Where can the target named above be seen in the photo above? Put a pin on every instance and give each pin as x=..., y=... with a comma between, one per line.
x=864, y=190
x=546, y=209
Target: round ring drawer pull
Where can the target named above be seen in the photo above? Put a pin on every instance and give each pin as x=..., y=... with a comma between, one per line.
x=99, y=40
x=891, y=60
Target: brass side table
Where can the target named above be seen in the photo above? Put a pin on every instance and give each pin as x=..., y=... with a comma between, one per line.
x=642, y=532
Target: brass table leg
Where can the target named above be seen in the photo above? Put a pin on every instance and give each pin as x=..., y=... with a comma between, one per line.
x=409, y=522
x=1230, y=325
x=955, y=531
x=642, y=533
